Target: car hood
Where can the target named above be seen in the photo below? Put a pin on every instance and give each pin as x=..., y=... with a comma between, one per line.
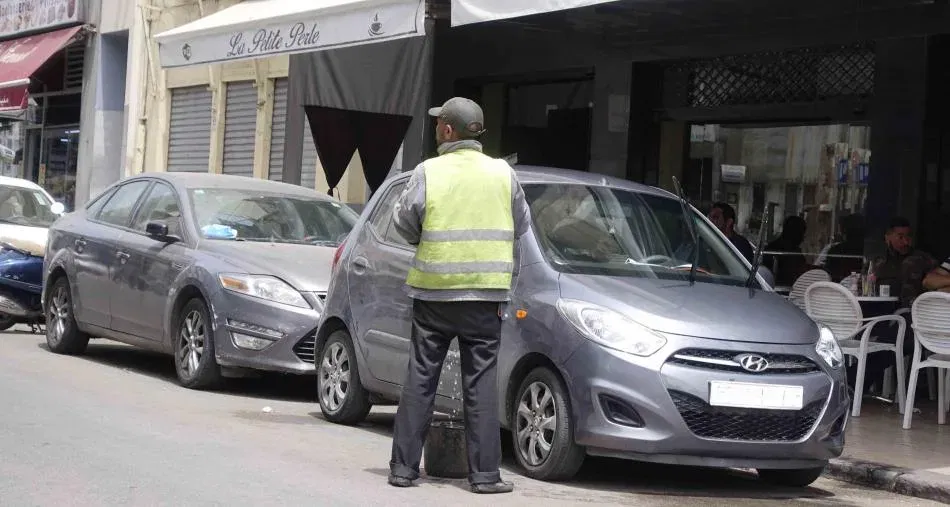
x=29, y=239
x=704, y=310
x=305, y=267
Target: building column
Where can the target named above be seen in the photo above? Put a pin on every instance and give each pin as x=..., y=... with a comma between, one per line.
x=608, y=136
x=897, y=129
x=102, y=119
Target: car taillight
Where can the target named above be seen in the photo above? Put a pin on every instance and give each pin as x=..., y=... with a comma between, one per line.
x=336, y=255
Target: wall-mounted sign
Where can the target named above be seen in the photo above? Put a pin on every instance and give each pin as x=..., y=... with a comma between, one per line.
x=18, y=16
x=733, y=173
x=702, y=133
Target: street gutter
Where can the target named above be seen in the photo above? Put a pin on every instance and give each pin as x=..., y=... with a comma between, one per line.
x=902, y=481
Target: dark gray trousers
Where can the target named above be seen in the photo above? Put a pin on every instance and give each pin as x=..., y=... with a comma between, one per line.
x=478, y=328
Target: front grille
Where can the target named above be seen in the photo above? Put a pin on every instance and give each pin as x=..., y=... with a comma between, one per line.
x=726, y=360
x=304, y=349
x=751, y=425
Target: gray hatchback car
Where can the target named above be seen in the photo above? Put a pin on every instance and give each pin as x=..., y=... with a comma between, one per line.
x=612, y=345
x=225, y=273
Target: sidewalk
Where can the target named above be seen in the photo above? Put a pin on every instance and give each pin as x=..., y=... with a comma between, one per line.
x=879, y=454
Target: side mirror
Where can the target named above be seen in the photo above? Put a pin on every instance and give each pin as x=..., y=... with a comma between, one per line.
x=158, y=230
x=58, y=208
x=766, y=273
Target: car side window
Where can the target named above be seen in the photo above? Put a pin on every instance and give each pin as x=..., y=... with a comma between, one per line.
x=161, y=205
x=118, y=210
x=383, y=218
x=393, y=236
x=93, y=207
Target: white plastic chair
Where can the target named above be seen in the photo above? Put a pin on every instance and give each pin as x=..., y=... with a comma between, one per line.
x=803, y=282
x=930, y=315
x=836, y=307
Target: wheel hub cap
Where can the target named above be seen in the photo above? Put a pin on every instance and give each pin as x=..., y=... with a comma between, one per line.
x=191, y=343
x=334, y=377
x=535, y=423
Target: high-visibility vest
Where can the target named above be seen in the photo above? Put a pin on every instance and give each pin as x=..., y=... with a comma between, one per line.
x=468, y=231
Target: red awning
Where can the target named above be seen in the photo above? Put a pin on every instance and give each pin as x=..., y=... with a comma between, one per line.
x=20, y=58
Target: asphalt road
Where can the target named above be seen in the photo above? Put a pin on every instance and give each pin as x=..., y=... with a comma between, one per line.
x=113, y=428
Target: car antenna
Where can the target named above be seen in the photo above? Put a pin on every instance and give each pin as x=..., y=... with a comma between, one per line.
x=692, y=229
x=757, y=257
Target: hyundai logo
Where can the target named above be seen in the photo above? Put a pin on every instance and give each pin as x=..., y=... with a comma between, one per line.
x=753, y=363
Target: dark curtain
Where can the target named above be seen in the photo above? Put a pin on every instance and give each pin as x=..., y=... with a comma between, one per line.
x=379, y=138
x=336, y=134
x=390, y=78
x=339, y=133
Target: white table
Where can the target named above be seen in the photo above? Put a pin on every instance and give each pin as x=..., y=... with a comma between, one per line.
x=877, y=299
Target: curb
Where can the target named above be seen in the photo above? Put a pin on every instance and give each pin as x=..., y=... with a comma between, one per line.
x=903, y=481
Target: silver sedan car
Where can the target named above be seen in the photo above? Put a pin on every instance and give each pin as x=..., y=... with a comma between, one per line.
x=612, y=345
x=226, y=274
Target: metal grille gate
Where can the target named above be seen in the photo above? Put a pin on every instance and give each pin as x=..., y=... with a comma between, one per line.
x=278, y=131
x=240, y=126
x=792, y=76
x=189, y=130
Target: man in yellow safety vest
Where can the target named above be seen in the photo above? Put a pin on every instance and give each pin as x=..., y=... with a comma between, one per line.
x=465, y=211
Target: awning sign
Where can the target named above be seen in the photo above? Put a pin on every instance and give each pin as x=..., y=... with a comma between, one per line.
x=227, y=35
x=465, y=12
x=18, y=16
x=20, y=58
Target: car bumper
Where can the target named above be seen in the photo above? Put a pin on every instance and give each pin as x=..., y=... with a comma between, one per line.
x=290, y=332
x=673, y=423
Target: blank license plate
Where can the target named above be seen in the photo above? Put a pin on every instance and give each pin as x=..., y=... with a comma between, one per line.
x=767, y=396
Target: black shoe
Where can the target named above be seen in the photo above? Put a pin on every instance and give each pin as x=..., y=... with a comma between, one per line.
x=399, y=482
x=493, y=488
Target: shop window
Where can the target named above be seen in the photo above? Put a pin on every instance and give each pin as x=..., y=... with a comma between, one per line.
x=817, y=172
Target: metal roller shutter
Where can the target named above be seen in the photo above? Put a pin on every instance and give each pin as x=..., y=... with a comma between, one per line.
x=189, y=130
x=308, y=173
x=278, y=130
x=240, y=126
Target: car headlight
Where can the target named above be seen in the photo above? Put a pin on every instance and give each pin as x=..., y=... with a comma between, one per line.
x=610, y=329
x=263, y=287
x=828, y=348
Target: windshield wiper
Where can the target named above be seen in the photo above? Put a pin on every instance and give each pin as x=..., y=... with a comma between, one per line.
x=757, y=257
x=692, y=229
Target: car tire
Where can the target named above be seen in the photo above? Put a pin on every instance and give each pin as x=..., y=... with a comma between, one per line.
x=793, y=478
x=563, y=458
x=6, y=322
x=195, y=363
x=338, y=373
x=62, y=332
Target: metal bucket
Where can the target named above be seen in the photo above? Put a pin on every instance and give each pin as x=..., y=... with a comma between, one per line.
x=445, y=450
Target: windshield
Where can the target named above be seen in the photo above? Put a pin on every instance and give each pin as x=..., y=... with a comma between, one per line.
x=246, y=215
x=25, y=206
x=613, y=232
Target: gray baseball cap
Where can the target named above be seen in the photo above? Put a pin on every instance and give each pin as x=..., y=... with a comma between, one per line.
x=464, y=115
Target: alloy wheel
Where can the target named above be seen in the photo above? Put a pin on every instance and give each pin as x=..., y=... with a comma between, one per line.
x=334, y=376
x=536, y=423
x=191, y=343
x=57, y=315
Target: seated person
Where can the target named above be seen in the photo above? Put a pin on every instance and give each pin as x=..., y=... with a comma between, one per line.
x=790, y=266
x=723, y=216
x=853, y=230
x=938, y=279
x=903, y=267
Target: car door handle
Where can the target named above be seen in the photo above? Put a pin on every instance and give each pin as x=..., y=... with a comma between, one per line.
x=360, y=265
x=80, y=245
x=122, y=256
